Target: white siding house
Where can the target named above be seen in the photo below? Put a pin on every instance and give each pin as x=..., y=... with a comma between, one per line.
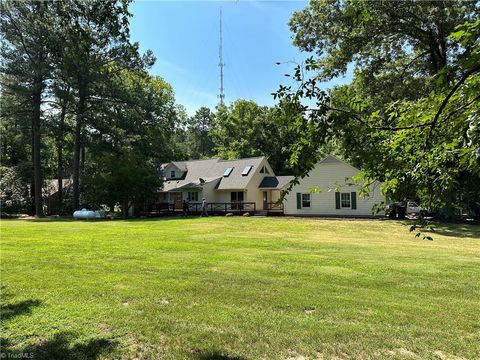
x=328, y=176
x=253, y=181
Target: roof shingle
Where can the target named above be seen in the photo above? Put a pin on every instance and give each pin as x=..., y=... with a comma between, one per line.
x=213, y=169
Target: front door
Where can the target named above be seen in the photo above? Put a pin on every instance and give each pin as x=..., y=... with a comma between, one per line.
x=176, y=199
x=265, y=200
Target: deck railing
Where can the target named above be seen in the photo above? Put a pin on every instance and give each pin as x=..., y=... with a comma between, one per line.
x=196, y=207
x=159, y=208
x=223, y=207
x=274, y=206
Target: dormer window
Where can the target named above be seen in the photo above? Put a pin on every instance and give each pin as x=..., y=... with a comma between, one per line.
x=228, y=172
x=264, y=170
x=247, y=169
x=172, y=174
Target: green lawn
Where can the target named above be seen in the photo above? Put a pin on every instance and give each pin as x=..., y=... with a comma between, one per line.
x=238, y=288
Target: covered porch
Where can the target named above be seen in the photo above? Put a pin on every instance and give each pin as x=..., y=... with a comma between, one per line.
x=271, y=189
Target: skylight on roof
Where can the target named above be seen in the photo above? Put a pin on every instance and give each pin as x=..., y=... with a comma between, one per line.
x=228, y=172
x=247, y=170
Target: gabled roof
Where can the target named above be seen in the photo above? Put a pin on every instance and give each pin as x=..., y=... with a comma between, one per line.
x=275, y=182
x=330, y=159
x=50, y=186
x=181, y=165
x=213, y=170
x=236, y=180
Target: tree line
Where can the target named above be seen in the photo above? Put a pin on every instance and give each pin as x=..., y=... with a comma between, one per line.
x=410, y=116
x=78, y=103
x=80, y=112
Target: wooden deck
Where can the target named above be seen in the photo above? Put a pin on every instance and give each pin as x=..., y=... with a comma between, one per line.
x=162, y=209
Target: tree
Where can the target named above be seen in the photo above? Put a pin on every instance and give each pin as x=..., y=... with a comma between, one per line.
x=70, y=69
x=199, y=140
x=125, y=178
x=96, y=46
x=26, y=29
x=380, y=36
x=237, y=131
x=412, y=132
x=13, y=190
x=128, y=141
x=245, y=129
x=60, y=128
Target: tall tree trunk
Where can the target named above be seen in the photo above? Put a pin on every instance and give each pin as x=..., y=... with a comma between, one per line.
x=78, y=144
x=125, y=208
x=82, y=157
x=32, y=180
x=37, y=163
x=60, y=177
x=438, y=40
x=60, y=157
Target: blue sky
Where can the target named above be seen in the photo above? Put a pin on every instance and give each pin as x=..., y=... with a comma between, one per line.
x=184, y=36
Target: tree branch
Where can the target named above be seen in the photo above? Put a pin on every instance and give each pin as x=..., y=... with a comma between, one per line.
x=20, y=35
x=446, y=100
x=462, y=107
x=390, y=128
x=436, y=118
x=411, y=62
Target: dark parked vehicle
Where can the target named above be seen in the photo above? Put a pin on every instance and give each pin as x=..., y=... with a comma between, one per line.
x=396, y=210
x=399, y=209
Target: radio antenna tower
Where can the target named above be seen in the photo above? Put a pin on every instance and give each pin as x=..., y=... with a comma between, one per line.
x=221, y=64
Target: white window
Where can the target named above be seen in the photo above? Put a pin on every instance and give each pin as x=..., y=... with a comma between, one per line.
x=172, y=174
x=305, y=200
x=227, y=172
x=345, y=200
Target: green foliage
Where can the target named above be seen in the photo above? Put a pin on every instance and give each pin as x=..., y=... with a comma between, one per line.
x=198, y=132
x=93, y=96
x=125, y=178
x=409, y=118
x=380, y=37
x=13, y=191
x=27, y=40
x=238, y=129
x=245, y=129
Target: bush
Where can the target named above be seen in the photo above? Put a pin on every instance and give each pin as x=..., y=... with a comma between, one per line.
x=14, y=197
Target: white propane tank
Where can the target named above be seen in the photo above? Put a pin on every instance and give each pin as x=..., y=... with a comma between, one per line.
x=84, y=214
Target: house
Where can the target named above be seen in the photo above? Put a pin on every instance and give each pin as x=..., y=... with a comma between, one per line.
x=326, y=191
x=250, y=185
x=228, y=185
x=51, y=196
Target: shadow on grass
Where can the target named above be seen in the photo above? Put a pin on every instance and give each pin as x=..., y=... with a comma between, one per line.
x=457, y=230
x=63, y=219
x=215, y=355
x=453, y=230
x=59, y=347
x=9, y=311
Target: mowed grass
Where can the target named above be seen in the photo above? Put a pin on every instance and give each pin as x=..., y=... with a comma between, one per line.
x=238, y=288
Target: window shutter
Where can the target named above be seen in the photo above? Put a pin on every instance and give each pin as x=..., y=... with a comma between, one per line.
x=299, y=200
x=354, y=200
x=337, y=200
